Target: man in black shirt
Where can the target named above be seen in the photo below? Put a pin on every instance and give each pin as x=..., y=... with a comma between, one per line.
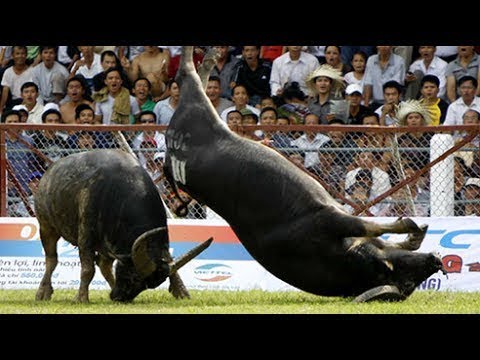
x=253, y=73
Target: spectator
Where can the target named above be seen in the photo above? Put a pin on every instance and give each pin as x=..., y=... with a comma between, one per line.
x=334, y=59
x=213, y=91
x=52, y=144
x=360, y=194
x=89, y=65
x=471, y=194
x=148, y=117
x=413, y=113
x=225, y=69
x=78, y=93
x=382, y=67
x=152, y=64
x=295, y=65
x=108, y=59
x=411, y=200
x=142, y=92
x=267, y=101
x=234, y=119
x=14, y=77
x=380, y=180
x=467, y=100
x=348, y=52
x=19, y=209
x=387, y=112
x=354, y=96
x=85, y=115
x=254, y=74
x=30, y=100
x=50, y=76
x=437, y=107
x=165, y=108
x=250, y=118
x=428, y=64
x=466, y=64
x=268, y=116
x=23, y=111
x=325, y=84
x=114, y=104
x=470, y=117
x=240, y=98
x=310, y=141
x=19, y=155
x=282, y=138
x=356, y=76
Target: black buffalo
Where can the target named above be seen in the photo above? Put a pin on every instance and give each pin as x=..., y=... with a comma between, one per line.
x=105, y=203
x=285, y=219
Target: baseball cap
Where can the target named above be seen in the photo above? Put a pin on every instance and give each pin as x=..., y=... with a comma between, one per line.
x=248, y=112
x=352, y=88
x=473, y=181
x=20, y=107
x=50, y=106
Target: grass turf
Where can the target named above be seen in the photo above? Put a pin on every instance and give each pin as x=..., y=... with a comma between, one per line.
x=241, y=302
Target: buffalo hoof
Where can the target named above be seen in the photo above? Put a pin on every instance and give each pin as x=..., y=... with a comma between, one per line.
x=409, y=225
x=414, y=240
x=177, y=288
x=381, y=293
x=44, y=293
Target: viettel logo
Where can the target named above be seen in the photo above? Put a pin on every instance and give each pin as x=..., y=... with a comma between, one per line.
x=213, y=272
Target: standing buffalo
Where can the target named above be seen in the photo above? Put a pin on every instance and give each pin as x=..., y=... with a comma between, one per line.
x=285, y=219
x=105, y=203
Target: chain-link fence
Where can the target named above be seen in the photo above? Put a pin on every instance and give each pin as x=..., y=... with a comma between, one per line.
x=373, y=171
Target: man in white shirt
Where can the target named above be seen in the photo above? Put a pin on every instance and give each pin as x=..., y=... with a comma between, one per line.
x=467, y=100
x=428, y=64
x=294, y=65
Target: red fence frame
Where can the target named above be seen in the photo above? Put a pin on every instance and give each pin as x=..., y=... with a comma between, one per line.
x=472, y=130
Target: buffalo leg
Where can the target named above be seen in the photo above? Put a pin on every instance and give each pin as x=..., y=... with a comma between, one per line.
x=87, y=271
x=105, y=264
x=352, y=226
x=209, y=61
x=87, y=261
x=412, y=243
x=177, y=287
x=49, y=239
x=414, y=240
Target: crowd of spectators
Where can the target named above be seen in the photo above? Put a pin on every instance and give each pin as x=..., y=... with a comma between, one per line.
x=265, y=85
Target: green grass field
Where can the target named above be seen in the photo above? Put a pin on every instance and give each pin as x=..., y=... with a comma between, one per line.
x=241, y=302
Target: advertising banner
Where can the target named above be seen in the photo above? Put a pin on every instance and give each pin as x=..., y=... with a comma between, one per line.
x=226, y=265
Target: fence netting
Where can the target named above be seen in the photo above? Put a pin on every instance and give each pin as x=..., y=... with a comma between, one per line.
x=371, y=171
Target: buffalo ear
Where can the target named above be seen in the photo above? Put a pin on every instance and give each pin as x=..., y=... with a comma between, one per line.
x=145, y=265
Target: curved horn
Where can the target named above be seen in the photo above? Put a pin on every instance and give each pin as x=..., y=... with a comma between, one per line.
x=142, y=261
x=182, y=260
x=385, y=293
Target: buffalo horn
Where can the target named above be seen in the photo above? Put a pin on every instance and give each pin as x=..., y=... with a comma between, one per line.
x=382, y=293
x=182, y=260
x=142, y=261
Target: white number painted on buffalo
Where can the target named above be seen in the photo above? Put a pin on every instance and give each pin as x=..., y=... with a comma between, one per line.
x=178, y=170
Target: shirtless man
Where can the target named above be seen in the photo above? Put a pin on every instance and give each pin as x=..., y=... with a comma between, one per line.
x=152, y=64
x=78, y=94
